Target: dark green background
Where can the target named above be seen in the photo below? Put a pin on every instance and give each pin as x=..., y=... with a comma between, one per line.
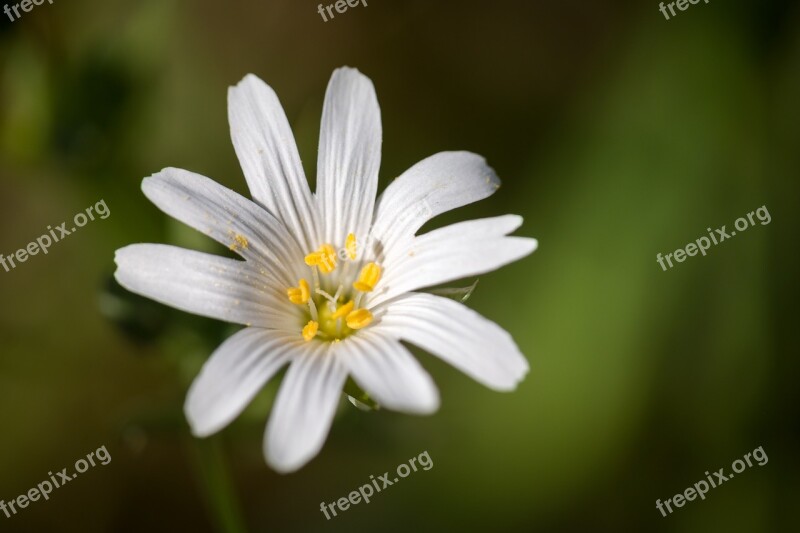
x=617, y=135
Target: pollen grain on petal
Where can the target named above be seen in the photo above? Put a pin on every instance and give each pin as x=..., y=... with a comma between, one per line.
x=310, y=330
x=360, y=318
x=369, y=277
x=239, y=242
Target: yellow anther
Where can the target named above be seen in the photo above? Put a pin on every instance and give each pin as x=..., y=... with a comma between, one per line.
x=327, y=259
x=369, y=277
x=350, y=246
x=343, y=310
x=358, y=319
x=324, y=258
x=299, y=295
x=313, y=259
x=310, y=330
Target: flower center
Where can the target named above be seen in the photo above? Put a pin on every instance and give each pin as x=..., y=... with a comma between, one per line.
x=333, y=310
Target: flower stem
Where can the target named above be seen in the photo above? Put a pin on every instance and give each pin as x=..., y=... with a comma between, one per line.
x=213, y=475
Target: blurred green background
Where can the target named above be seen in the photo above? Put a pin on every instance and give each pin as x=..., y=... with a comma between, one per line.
x=617, y=135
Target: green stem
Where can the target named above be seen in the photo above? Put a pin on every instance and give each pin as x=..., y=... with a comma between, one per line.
x=213, y=474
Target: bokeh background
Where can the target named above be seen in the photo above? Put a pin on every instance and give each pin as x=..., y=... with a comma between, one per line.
x=617, y=134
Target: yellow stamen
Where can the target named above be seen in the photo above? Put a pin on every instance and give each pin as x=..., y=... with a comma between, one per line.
x=350, y=246
x=324, y=259
x=343, y=310
x=313, y=259
x=299, y=295
x=315, y=277
x=369, y=277
x=327, y=259
x=338, y=293
x=312, y=308
x=310, y=330
x=358, y=319
x=325, y=295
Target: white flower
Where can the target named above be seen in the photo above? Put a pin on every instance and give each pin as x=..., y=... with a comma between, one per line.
x=327, y=281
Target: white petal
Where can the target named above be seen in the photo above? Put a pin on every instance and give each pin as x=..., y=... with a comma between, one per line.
x=304, y=408
x=232, y=376
x=458, y=335
x=386, y=370
x=268, y=154
x=202, y=284
x=226, y=217
x=349, y=155
x=441, y=182
x=451, y=253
